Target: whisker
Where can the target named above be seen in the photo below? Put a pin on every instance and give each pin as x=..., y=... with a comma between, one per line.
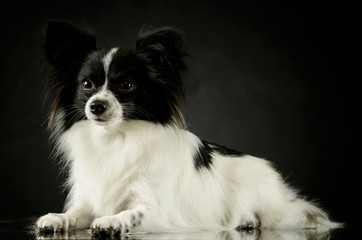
x=76, y=112
x=137, y=109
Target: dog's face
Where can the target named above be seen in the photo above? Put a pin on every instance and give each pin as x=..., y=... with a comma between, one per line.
x=113, y=85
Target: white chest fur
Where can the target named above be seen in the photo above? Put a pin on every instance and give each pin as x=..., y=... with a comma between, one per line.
x=109, y=167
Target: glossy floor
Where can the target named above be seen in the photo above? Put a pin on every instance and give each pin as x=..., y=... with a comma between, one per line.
x=22, y=229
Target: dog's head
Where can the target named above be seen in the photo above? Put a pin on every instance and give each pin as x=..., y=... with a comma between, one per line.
x=112, y=85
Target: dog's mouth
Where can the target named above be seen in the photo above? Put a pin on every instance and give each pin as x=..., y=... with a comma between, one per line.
x=101, y=121
x=98, y=119
x=104, y=121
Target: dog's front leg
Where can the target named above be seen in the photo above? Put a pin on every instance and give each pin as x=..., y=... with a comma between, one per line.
x=74, y=218
x=121, y=223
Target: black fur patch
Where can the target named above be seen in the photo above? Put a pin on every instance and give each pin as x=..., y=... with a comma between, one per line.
x=203, y=158
x=222, y=150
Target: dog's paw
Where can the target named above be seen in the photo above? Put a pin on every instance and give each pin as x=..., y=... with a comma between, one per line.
x=53, y=222
x=249, y=234
x=249, y=225
x=117, y=224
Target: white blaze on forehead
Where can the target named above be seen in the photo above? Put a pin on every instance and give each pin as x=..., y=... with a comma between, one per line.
x=107, y=59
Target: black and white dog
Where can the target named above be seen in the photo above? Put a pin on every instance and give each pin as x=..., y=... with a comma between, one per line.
x=116, y=123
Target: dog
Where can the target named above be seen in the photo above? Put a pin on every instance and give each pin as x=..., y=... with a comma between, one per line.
x=117, y=126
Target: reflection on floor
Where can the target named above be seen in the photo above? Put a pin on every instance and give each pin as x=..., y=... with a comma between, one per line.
x=201, y=235
x=24, y=229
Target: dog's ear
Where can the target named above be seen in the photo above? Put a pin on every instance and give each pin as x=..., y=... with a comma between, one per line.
x=65, y=48
x=65, y=43
x=162, y=51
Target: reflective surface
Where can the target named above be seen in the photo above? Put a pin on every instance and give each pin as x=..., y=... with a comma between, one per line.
x=203, y=235
x=23, y=229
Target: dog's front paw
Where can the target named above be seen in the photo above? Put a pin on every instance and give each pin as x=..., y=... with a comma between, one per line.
x=117, y=224
x=249, y=224
x=53, y=222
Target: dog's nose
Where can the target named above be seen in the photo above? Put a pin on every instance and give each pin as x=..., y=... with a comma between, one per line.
x=98, y=107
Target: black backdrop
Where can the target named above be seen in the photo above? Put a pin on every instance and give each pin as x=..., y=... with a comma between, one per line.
x=276, y=80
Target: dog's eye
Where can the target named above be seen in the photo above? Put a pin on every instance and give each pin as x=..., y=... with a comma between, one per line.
x=87, y=84
x=126, y=86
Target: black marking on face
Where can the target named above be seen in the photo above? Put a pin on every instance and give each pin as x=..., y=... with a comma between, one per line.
x=146, y=99
x=91, y=71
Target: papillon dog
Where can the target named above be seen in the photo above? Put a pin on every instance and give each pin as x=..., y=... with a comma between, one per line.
x=117, y=126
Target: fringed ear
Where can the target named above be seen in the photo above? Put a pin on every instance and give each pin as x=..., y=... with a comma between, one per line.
x=161, y=51
x=65, y=48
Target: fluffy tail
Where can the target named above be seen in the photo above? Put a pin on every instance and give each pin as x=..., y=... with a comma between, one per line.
x=303, y=214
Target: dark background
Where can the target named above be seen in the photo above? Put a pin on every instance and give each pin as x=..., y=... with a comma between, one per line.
x=276, y=80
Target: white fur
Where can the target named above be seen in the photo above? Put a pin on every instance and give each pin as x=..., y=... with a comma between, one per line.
x=107, y=59
x=132, y=169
